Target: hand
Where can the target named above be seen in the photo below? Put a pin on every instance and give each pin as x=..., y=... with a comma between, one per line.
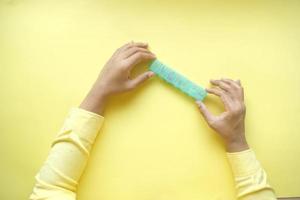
x=115, y=75
x=230, y=124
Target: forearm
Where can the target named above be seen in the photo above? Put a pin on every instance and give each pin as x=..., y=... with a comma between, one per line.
x=250, y=178
x=96, y=99
x=67, y=159
x=59, y=176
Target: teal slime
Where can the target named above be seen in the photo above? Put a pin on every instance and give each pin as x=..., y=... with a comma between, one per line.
x=177, y=80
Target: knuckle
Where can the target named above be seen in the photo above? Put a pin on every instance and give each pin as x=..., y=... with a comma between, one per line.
x=222, y=94
x=130, y=45
x=230, y=88
x=135, y=48
x=124, y=65
x=140, y=56
x=235, y=86
x=222, y=85
x=239, y=110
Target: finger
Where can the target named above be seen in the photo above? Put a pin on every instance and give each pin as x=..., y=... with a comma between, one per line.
x=216, y=91
x=223, y=85
x=129, y=45
x=123, y=47
x=139, y=57
x=205, y=112
x=130, y=51
x=135, y=44
x=237, y=92
x=231, y=82
x=223, y=96
x=140, y=79
x=234, y=88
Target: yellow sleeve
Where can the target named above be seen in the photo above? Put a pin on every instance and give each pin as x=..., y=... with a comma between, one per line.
x=250, y=178
x=58, y=178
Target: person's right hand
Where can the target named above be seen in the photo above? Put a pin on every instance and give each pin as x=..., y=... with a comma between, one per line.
x=230, y=124
x=115, y=76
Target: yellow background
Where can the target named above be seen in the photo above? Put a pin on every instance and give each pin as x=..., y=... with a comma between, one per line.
x=154, y=144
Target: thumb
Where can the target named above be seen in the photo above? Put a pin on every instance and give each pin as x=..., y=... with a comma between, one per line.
x=205, y=112
x=141, y=78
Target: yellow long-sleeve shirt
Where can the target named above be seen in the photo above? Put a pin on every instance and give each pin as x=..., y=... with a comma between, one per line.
x=58, y=178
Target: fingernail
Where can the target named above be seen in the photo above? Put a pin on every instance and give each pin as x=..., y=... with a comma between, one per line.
x=150, y=74
x=199, y=103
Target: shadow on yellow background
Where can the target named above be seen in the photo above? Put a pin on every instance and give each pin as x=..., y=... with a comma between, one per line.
x=154, y=144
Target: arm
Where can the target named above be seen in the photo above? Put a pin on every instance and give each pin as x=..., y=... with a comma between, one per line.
x=59, y=176
x=250, y=177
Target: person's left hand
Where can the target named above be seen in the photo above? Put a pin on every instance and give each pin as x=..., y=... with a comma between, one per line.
x=115, y=75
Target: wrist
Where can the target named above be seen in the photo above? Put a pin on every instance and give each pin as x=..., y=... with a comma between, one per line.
x=236, y=143
x=95, y=102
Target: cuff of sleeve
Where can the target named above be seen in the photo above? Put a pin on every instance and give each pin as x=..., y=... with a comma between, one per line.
x=83, y=123
x=243, y=163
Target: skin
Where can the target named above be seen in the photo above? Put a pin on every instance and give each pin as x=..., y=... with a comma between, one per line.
x=115, y=75
x=115, y=78
x=230, y=124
